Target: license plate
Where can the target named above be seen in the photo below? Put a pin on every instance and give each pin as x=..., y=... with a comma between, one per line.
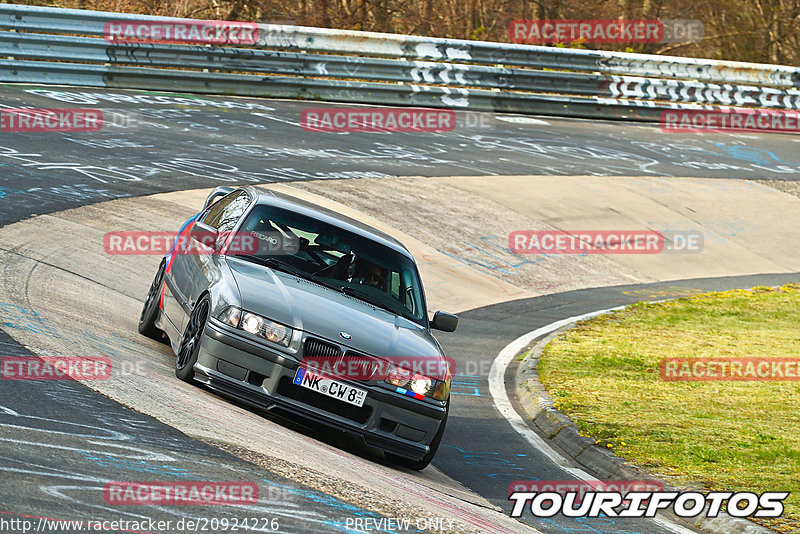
x=331, y=388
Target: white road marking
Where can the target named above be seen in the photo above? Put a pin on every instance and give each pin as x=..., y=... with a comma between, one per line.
x=497, y=388
x=521, y=120
x=8, y=411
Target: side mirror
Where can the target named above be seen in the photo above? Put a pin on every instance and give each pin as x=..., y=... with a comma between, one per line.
x=446, y=322
x=216, y=194
x=205, y=235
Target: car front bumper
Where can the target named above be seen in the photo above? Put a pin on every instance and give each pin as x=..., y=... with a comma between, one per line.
x=260, y=376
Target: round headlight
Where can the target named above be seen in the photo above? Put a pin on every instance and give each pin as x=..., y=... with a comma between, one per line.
x=251, y=323
x=420, y=384
x=276, y=333
x=397, y=376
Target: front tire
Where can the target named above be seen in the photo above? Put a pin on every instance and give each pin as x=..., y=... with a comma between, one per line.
x=422, y=463
x=147, y=319
x=190, y=342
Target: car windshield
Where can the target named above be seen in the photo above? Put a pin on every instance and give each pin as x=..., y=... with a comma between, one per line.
x=332, y=256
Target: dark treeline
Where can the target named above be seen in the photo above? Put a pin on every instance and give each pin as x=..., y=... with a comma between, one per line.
x=764, y=31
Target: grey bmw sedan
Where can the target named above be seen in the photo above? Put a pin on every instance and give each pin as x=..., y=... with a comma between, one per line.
x=293, y=308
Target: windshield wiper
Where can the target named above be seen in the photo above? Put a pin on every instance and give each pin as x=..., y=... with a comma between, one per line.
x=272, y=263
x=349, y=291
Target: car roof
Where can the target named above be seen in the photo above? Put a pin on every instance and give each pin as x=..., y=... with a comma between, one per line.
x=270, y=197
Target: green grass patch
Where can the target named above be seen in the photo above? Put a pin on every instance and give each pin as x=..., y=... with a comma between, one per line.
x=727, y=436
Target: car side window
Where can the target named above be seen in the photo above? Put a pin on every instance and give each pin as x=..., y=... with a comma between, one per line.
x=226, y=212
x=412, y=295
x=395, y=286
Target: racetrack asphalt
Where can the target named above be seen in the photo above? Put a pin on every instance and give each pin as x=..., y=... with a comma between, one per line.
x=153, y=142
x=62, y=442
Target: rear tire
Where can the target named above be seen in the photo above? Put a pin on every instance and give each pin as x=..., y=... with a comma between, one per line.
x=422, y=463
x=190, y=342
x=147, y=319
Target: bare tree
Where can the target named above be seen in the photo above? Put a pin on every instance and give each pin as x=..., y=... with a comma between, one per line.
x=746, y=30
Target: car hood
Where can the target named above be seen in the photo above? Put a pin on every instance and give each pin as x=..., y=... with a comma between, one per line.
x=324, y=313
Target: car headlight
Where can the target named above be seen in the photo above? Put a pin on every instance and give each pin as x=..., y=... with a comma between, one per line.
x=417, y=385
x=257, y=325
x=230, y=316
x=420, y=384
x=277, y=333
x=398, y=376
x=252, y=323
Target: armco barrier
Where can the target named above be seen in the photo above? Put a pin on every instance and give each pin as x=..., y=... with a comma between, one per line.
x=65, y=46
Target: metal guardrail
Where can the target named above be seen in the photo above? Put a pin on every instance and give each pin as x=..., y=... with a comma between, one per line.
x=60, y=46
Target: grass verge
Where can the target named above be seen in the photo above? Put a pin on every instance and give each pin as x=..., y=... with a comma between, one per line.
x=713, y=435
